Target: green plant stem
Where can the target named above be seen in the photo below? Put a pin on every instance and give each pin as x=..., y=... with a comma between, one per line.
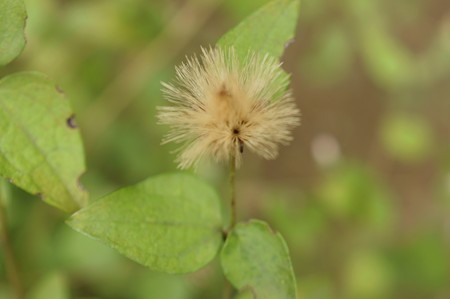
x=232, y=191
x=9, y=258
x=228, y=288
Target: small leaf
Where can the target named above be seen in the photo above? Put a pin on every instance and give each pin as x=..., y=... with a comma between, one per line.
x=170, y=223
x=256, y=259
x=40, y=147
x=269, y=30
x=12, y=24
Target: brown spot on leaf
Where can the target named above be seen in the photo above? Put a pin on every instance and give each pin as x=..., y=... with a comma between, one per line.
x=71, y=123
x=59, y=89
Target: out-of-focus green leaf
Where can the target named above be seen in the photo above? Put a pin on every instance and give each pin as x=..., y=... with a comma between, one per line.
x=84, y=256
x=361, y=9
x=241, y=9
x=122, y=24
x=368, y=275
x=406, y=138
x=315, y=286
x=351, y=193
x=301, y=221
x=247, y=294
x=12, y=24
x=423, y=264
x=5, y=291
x=40, y=146
x=329, y=59
x=255, y=258
x=268, y=30
x=313, y=10
x=170, y=223
x=53, y=286
x=164, y=286
x=388, y=62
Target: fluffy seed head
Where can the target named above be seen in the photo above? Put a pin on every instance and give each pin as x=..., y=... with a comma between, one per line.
x=221, y=105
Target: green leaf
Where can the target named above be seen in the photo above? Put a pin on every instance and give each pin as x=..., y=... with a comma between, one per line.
x=351, y=192
x=171, y=223
x=406, y=137
x=367, y=274
x=255, y=258
x=390, y=63
x=422, y=263
x=12, y=24
x=40, y=147
x=268, y=30
x=329, y=58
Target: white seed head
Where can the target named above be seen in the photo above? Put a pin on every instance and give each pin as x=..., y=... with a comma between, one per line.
x=220, y=105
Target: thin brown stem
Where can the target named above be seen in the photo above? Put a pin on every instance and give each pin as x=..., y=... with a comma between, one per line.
x=5, y=240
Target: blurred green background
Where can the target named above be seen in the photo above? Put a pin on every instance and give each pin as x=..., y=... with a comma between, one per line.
x=362, y=195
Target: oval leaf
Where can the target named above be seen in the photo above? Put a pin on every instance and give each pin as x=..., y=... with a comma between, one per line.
x=268, y=30
x=171, y=223
x=40, y=147
x=12, y=24
x=256, y=260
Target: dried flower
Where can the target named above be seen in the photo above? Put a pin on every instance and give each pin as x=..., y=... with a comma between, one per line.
x=221, y=105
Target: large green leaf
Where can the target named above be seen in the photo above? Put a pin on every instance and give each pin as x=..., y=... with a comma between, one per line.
x=170, y=223
x=12, y=24
x=268, y=30
x=255, y=258
x=40, y=146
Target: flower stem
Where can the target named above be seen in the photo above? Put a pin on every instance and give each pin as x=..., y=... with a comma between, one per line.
x=5, y=240
x=232, y=191
x=228, y=288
